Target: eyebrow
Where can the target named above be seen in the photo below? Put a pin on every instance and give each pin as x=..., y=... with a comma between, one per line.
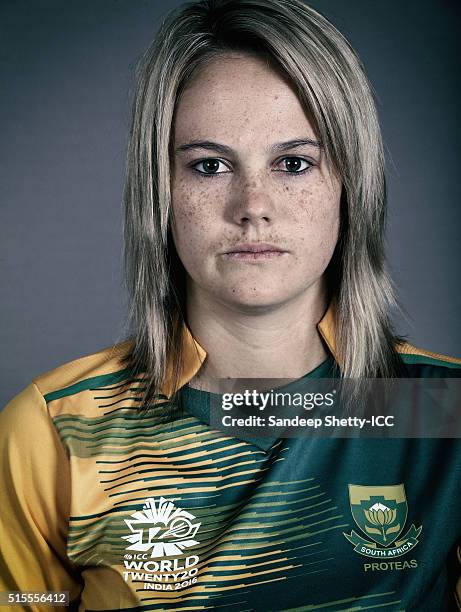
x=225, y=150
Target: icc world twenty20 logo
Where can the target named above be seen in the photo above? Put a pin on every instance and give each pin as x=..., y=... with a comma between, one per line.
x=162, y=528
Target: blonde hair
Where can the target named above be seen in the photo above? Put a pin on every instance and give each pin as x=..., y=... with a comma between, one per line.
x=333, y=88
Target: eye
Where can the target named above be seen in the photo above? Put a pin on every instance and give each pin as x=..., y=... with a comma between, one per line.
x=295, y=165
x=210, y=166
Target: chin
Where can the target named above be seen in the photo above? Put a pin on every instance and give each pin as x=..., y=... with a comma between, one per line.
x=257, y=297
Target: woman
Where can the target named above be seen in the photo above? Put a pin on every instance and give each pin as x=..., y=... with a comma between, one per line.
x=255, y=207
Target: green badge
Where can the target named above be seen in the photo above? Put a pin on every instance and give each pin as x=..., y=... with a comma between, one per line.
x=381, y=514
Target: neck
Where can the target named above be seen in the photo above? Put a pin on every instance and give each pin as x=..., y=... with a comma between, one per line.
x=277, y=342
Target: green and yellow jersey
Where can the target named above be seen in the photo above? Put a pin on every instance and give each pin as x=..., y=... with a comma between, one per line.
x=128, y=510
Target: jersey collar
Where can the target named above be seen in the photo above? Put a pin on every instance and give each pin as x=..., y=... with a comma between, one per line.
x=195, y=354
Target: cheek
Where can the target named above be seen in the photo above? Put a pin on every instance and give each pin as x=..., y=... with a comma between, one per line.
x=188, y=204
x=319, y=204
x=192, y=222
x=317, y=230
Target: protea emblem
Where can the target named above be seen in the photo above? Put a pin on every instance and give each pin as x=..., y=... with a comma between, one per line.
x=162, y=528
x=381, y=514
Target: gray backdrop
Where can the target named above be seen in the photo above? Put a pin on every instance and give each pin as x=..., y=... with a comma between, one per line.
x=66, y=75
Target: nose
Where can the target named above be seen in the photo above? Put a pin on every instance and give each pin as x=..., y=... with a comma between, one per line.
x=252, y=204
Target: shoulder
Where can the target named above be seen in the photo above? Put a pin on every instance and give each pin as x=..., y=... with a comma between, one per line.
x=69, y=388
x=421, y=363
x=98, y=369
x=44, y=418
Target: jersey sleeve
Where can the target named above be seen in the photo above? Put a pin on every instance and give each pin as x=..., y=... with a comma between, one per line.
x=34, y=511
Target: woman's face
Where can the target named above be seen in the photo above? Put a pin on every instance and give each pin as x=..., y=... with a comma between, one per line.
x=238, y=179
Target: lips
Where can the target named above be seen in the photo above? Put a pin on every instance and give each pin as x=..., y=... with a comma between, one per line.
x=256, y=247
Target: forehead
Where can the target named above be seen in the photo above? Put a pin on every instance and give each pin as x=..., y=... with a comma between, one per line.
x=237, y=97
